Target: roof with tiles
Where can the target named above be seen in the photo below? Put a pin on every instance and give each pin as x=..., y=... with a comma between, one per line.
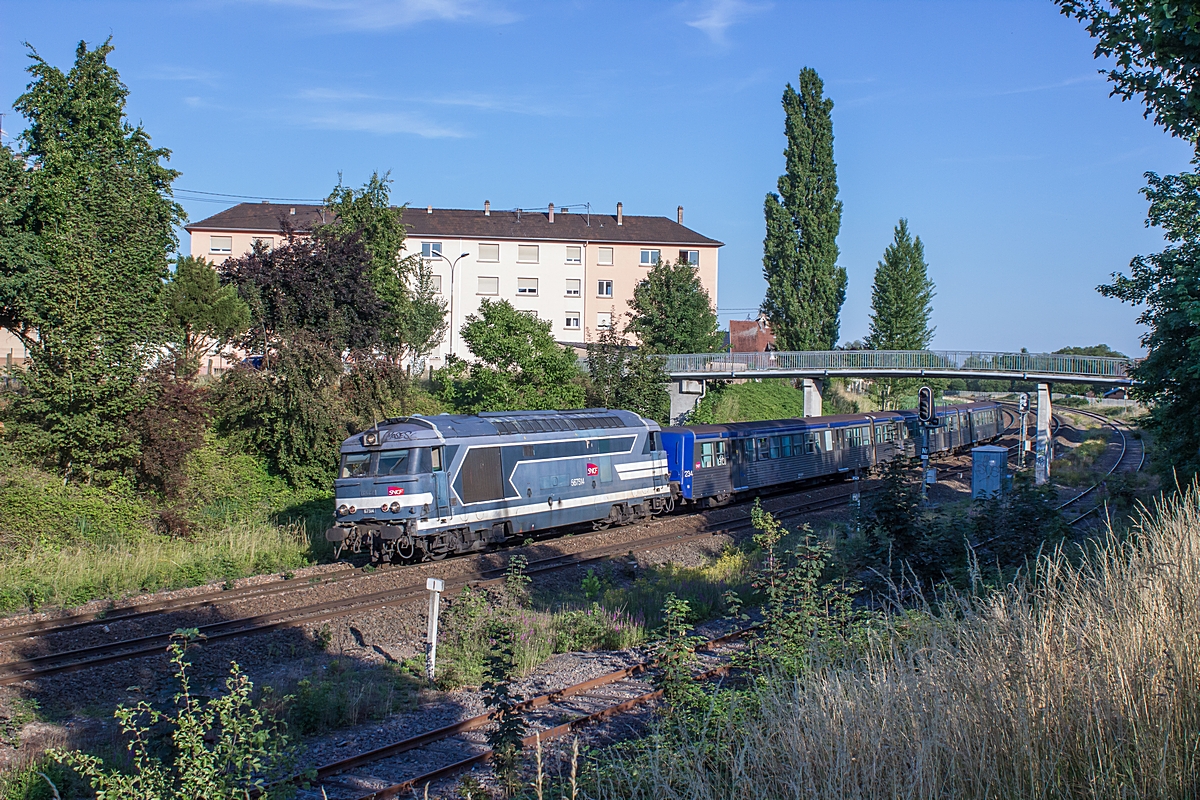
x=455, y=223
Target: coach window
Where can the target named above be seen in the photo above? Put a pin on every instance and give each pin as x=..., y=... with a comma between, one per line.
x=828, y=440
x=706, y=455
x=785, y=446
x=764, y=448
x=774, y=447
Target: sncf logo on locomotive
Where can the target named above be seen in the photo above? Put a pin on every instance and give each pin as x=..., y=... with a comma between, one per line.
x=395, y=490
x=592, y=469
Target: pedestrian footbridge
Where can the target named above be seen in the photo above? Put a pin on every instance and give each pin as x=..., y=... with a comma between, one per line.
x=817, y=364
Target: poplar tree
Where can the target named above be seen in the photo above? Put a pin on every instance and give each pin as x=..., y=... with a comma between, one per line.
x=85, y=235
x=901, y=304
x=805, y=285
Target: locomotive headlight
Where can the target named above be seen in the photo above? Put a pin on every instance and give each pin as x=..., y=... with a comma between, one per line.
x=395, y=507
x=371, y=438
x=353, y=509
x=343, y=509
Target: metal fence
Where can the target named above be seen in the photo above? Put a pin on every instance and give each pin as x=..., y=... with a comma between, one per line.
x=901, y=361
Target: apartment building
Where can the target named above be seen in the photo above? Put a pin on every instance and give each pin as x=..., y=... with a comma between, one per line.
x=577, y=270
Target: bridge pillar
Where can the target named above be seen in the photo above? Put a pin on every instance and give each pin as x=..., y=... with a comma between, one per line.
x=1045, y=447
x=685, y=396
x=812, y=397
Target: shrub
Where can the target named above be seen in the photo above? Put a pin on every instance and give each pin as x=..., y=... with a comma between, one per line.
x=1078, y=680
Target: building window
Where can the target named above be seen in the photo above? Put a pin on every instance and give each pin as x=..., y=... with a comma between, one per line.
x=489, y=286
x=572, y=321
x=431, y=249
x=529, y=312
x=573, y=287
x=527, y=253
x=604, y=320
x=266, y=241
x=436, y=282
x=604, y=256
x=527, y=286
x=650, y=257
x=574, y=255
x=220, y=244
x=489, y=252
x=604, y=289
x=690, y=257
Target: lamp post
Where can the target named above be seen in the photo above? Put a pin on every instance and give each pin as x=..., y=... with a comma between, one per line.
x=452, y=264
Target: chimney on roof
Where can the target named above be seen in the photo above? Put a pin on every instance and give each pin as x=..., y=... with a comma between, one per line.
x=620, y=216
x=429, y=209
x=293, y=211
x=487, y=208
x=679, y=215
x=552, y=213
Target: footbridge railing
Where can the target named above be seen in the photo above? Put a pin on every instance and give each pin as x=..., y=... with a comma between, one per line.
x=1045, y=367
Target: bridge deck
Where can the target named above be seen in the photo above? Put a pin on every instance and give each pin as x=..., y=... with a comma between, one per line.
x=1041, y=367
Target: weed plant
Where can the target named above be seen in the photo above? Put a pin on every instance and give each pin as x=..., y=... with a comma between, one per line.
x=1079, y=678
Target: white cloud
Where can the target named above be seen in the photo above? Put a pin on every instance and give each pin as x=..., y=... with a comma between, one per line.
x=382, y=122
x=384, y=14
x=720, y=15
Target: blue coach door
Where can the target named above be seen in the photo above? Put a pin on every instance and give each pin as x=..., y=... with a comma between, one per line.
x=441, y=491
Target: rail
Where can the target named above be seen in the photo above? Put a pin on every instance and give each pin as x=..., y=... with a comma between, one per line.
x=901, y=363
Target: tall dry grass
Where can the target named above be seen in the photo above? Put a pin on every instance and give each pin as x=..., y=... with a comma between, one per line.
x=1082, y=680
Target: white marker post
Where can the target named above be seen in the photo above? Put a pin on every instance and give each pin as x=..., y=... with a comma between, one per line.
x=435, y=588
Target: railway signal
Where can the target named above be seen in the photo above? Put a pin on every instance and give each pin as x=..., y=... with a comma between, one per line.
x=1023, y=411
x=925, y=405
x=925, y=415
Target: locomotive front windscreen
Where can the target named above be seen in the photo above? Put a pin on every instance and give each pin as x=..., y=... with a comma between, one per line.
x=356, y=465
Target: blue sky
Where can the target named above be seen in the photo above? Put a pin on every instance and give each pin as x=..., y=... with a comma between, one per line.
x=985, y=124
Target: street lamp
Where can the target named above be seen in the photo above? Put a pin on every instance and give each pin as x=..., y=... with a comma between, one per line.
x=452, y=264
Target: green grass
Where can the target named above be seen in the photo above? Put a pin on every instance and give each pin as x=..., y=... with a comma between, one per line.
x=64, y=545
x=343, y=695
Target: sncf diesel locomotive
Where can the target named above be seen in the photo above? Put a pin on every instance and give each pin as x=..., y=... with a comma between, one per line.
x=427, y=487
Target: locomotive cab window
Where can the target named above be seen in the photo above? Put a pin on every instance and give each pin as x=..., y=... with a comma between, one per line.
x=356, y=465
x=393, y=462
x=435, y=459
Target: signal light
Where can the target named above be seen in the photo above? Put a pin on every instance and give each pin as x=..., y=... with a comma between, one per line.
x=925, y=405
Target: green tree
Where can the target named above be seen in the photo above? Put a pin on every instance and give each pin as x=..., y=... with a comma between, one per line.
x=901, y=305
x=1168, y=285
x=202, y=316
x=1156, y=51
x=672, y=313
x=518, y=365
x=415, y=320
x=1155, y=46
x=805, y=286
x=85, y=234
x=291, y=415
x=623, y=376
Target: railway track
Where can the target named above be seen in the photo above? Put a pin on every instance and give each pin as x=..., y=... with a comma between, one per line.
x=1130, y=459
x=76, y=659
x=454, y=748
